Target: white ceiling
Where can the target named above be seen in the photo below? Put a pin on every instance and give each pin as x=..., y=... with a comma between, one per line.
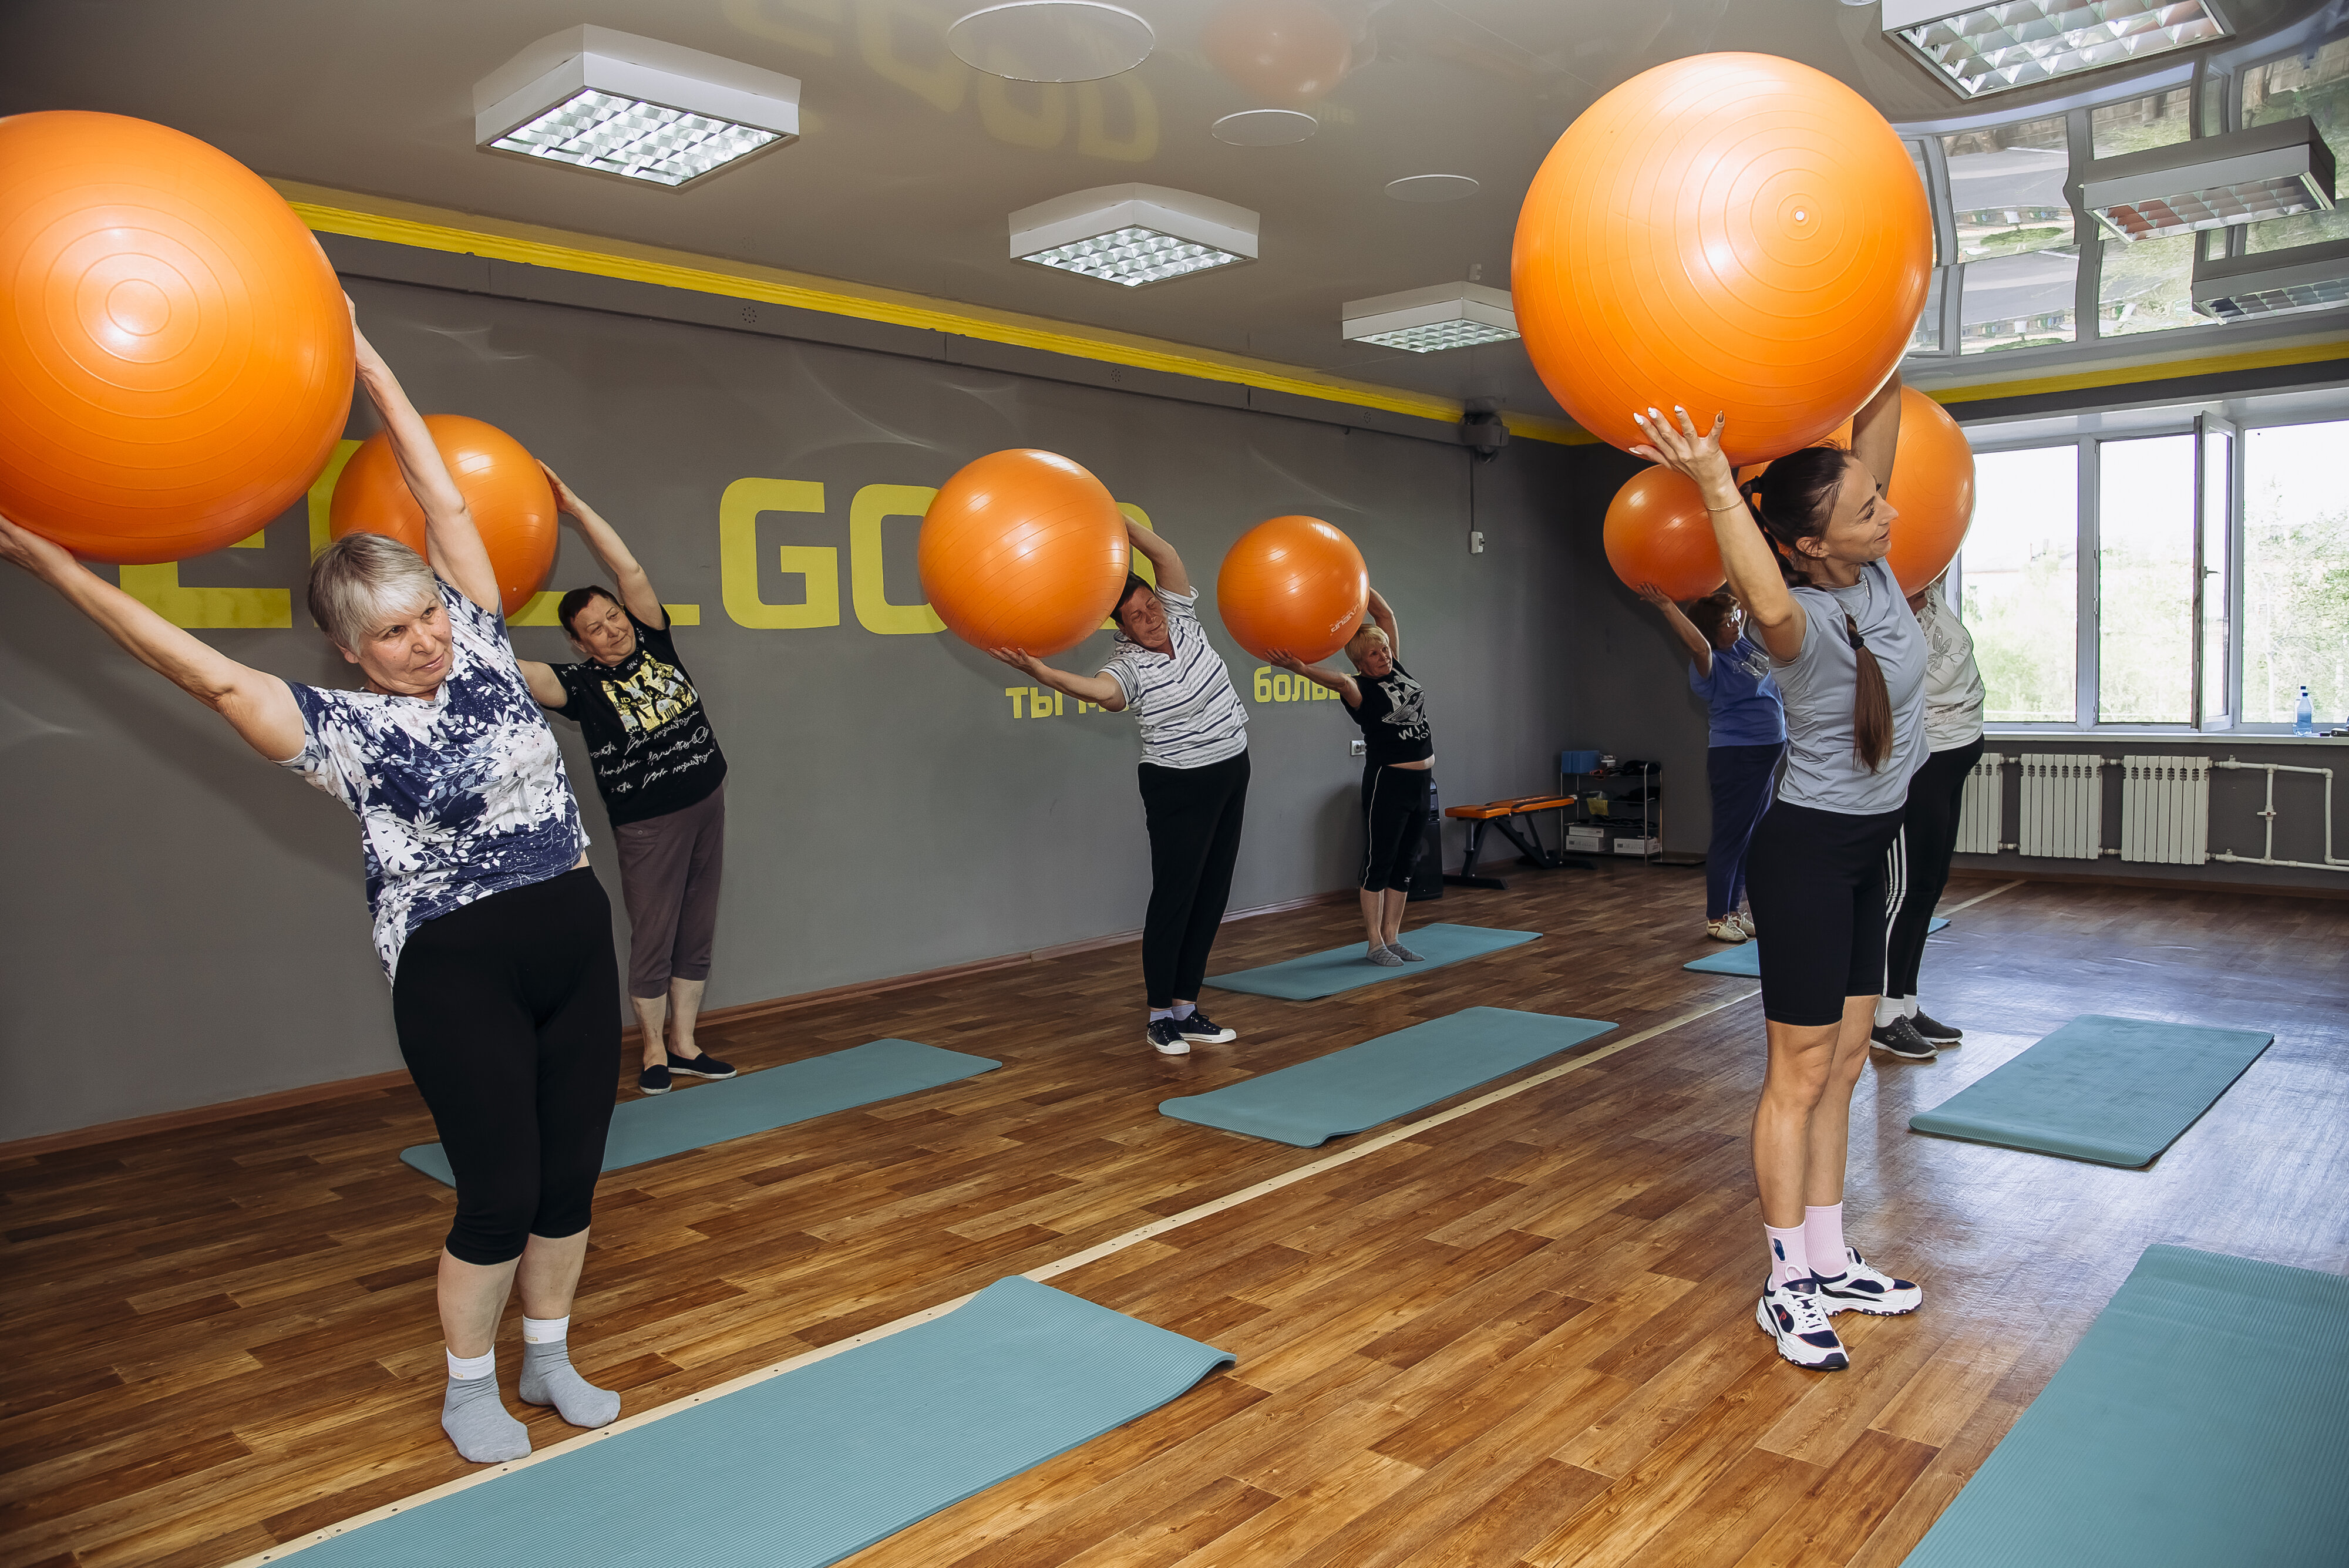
x=910, y=162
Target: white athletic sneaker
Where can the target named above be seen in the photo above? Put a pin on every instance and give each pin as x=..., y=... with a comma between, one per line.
x=1725, y=930
x=1862, y=1287
x=1745, y=919
x=1793, y=1314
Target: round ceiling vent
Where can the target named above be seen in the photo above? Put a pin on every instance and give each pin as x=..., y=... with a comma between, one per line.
x=1433, y=188
x=1052, y=40
x=1265, y=127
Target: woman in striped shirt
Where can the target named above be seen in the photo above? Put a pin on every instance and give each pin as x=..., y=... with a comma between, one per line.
x=1194, y=776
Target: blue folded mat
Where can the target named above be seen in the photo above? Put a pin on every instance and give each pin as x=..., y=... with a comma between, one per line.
x=1746, y=958
x=2200, y=1421
x=659, y=1126
x=1385, y=1078
x=1347, y=968
x=805, y=1468
x=2116, y=1091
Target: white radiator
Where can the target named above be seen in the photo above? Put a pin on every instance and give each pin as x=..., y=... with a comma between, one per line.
x=2062, y=805
x=1983, y=811
x=2166, y=809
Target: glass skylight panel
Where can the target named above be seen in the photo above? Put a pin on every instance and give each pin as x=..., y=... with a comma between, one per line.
x=627, y=137
x=1133, y=257
x=2022, y=43
x=1432, y=335
x=2247, y=201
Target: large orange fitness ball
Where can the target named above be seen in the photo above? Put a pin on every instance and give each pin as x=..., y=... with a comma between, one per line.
x=1932, y=489
x=1023, y=549
x=503, y=486
x=1730, y=232
x=1295, y=584
x=175, y=354
x=1281, y=51
x=1658, y=532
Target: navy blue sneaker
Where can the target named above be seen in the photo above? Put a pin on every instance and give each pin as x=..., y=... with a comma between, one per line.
x=1861, y=1287
x=1200, y=1030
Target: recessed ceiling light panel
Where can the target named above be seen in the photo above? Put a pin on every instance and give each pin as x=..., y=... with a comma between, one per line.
x=1983, y=50
x=1133, y=234
x=1052, y=40
x=1265, y=128
x=2243, y=177
x=1428, y=320
x=613, y=103
x=2274, y=283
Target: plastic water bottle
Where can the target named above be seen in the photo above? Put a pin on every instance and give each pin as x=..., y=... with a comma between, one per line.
x=2304, y=718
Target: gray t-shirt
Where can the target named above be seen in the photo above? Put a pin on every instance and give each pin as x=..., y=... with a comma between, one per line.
x=1817, y=686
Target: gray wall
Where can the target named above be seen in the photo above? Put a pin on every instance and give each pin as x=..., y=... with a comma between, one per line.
x=187, y=925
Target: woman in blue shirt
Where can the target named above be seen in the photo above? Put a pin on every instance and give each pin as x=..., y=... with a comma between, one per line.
x=1748, y=736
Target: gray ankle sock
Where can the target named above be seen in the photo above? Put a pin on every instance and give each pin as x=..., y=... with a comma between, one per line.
x=549, y=1378
x=1404, y=953
x=475, y=1419
x=1386, y=958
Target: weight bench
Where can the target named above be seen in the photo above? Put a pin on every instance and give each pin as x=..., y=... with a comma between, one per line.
x=1508, y=816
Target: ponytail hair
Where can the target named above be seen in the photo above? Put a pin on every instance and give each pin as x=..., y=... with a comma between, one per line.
x=1795, y=504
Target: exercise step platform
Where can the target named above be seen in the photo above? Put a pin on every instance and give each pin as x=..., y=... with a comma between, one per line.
x=1515, y=819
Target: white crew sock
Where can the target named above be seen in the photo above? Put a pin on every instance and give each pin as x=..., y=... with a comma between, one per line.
x=546, y=1330
x=1907, y=1007
x=466, y=1368
x=1888, y=1008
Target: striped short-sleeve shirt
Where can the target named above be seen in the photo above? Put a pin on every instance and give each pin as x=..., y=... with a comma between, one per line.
x=1183, y=699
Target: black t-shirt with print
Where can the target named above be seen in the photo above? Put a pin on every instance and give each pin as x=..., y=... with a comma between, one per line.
x=647, y=736
x=1393, y=717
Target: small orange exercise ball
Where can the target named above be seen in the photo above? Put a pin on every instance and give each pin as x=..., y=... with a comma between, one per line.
x=503, y=486
x=1281, y=51
x=1731, y=231
x=1293, y=583
x=1023, y=549
x=1932, y=489
x=175, y=354
x=1658, y=532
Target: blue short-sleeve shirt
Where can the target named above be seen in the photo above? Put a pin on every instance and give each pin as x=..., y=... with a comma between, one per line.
x=1746, y=710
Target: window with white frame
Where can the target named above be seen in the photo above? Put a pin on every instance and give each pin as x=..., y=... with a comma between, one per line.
x=2195, y=577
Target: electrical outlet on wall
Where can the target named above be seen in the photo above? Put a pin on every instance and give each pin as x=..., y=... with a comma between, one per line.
x=1475, y=543
x=1354, y=748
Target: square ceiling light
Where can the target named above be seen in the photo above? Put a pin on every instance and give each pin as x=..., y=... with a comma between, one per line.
x=1426, y=320
x=613, y=103
x=1133, y=234
x=2274, y=283
x=2267, y=172
x=1984, y=49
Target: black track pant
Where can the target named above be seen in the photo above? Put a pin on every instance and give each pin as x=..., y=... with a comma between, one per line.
x=1916, y=866
x=1394, y=825
x=509, y=1018
x=1195, y=840
x=1816, y=882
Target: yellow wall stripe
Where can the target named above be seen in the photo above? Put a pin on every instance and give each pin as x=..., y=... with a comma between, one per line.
x=2131, y=375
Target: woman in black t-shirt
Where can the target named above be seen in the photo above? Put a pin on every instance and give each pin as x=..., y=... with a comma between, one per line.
x=663, y=780
x=1399, y=753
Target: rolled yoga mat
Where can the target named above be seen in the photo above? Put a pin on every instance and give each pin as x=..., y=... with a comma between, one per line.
x=2198, y=1421
x=659, y=1126
x=2116, y=1091
x=1348, y=968
x=1382, y=1079
x=1746, y=958
x=818, y=1463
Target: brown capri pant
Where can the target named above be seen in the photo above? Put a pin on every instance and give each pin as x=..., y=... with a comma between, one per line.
x=669, y=879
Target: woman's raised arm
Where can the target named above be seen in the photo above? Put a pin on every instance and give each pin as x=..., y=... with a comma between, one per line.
x=1746, y=556
x=451, y=542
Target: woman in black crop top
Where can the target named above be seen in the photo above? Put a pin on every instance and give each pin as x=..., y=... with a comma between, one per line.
x=1399, y=750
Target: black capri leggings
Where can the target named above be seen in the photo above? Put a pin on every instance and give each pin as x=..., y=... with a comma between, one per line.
x=1394, y=825
x=1194, y=816
x=1815, y=881
x=509, y=1018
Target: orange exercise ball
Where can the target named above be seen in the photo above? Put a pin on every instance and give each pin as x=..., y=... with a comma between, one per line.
x=1023, y=549
x=1730, y=232
x=503, y=486
x=175, y=354
x=1293, y=583
x=1281, y=51
x=1932, y=489
x=1658, y=532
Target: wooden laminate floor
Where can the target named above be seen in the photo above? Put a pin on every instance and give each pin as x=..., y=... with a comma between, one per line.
x=1523, y=1338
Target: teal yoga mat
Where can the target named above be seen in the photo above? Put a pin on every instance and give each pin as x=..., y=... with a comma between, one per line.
x=805, y=1468
x=2199, y=1422
x=1746, y=958
x=1346, y=968
x=2116, y=1091
x=657, y=1125
x=1385, y=1078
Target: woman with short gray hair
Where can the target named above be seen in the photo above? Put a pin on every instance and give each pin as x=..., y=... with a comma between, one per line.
x=494, y=934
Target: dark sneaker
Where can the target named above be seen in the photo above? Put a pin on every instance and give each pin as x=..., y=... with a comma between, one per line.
x=1200, y=1030
x=1794, y=1315
x=1900, y=1038
x=1941, y=1034
x=1862, y=1287
x=1166, y=1035
x=702, y=1066
x=653, y=1080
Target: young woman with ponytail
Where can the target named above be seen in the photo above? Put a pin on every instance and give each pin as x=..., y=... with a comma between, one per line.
x=1850, y=666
